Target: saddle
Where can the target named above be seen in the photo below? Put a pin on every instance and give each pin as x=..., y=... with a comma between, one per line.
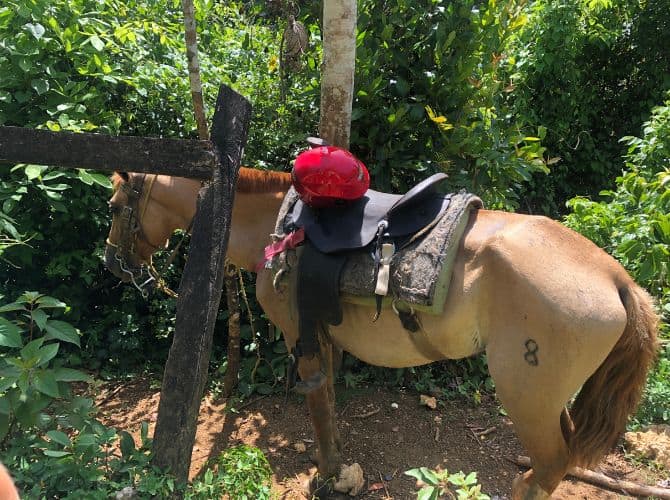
x=378, y=223
x=375, y=215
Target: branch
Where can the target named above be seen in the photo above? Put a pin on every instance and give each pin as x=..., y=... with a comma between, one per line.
x=598, y=479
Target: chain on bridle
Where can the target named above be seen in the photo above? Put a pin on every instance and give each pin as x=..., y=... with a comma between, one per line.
x=131, y=230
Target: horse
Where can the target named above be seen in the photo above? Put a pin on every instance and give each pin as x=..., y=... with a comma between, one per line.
x=555, y=314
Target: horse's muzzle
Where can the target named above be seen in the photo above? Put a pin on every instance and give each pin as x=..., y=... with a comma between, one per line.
x=113, y=265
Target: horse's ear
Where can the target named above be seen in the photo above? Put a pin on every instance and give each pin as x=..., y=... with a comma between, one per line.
x=123, y=175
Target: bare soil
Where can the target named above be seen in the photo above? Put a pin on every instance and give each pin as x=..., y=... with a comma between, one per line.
x=384, y=439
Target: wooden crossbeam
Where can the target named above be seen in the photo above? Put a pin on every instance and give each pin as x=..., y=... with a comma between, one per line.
x=178, y=157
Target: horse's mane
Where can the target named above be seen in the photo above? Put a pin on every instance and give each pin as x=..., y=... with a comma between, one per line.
x=262, y=181
x=250, y=181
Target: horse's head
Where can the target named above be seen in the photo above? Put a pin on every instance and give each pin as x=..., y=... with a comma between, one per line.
x=142, y=221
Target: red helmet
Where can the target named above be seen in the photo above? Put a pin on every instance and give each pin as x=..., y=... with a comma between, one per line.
x=326, y=175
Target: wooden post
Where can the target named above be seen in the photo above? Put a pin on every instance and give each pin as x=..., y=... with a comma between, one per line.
x=200, y=292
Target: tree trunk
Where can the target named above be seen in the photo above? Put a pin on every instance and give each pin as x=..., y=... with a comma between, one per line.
x=194, y=68
x=337, y=70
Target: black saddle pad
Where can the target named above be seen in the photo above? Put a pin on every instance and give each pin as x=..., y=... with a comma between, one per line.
x=355, y=226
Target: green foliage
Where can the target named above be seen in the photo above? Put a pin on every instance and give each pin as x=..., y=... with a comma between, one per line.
x=467, y=379
x=241, y=472
x=33, y=375
x=436, y=484
x=633, y=224
x=119, y=67
x=430, y=98
x=588, y=71
x=51, y=440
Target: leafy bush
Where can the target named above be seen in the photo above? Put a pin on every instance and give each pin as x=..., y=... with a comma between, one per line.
x=51, y=440
x=633, y=224
x=119, y=67
x=440, y=105
x=240, y=472
x=589, y=72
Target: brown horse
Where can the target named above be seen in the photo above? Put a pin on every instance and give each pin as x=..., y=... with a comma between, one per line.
x=553, y=312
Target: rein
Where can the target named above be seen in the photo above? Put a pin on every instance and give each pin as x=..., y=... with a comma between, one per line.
x=131, y=231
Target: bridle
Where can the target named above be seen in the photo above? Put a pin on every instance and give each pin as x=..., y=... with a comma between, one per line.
x=131, y=231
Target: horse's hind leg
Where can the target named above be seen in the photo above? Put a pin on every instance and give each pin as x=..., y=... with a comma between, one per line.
x=534, y=398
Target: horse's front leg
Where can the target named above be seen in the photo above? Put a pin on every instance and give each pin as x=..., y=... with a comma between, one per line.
x=320, y=402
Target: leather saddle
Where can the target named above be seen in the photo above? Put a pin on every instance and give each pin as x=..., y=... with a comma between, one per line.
x=378, y=222
x=340, y=229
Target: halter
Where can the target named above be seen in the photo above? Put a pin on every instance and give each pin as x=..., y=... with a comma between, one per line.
x=132, y=231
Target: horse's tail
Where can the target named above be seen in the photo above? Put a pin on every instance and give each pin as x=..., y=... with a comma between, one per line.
x=612, y=393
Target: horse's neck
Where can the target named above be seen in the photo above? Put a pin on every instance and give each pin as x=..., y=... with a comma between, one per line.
x=254, y=217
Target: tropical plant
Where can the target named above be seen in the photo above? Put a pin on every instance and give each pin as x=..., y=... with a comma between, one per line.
x=633, y=224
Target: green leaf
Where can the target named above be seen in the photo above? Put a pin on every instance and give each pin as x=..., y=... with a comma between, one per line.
x=32, y=349
x=14, y=306
x=56, y=453
x=39, y=317
x=98, y=44
x=10, y=334
x=87, y=440
x=127, y=444
x=70, y=375
x=47, y=353
x=45, y=382
x=8, y=378
x=59, y=437
x=101, y=179
x=429, y=476
x=427, y=493
x=85, y=177
x=37, y=30
x=45, y=301
x=62, y=331
x=33, y=171
x=40, y=86
x=471, y=479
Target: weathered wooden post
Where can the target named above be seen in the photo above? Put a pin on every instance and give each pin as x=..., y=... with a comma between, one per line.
x=200, y=292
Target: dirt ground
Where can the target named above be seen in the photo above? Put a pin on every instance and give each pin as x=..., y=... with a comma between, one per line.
x=386, y=439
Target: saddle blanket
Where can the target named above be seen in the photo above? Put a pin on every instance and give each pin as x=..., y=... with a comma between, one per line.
x=420, y=271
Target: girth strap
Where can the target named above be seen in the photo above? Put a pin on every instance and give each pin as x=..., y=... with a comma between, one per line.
x=318, y=295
